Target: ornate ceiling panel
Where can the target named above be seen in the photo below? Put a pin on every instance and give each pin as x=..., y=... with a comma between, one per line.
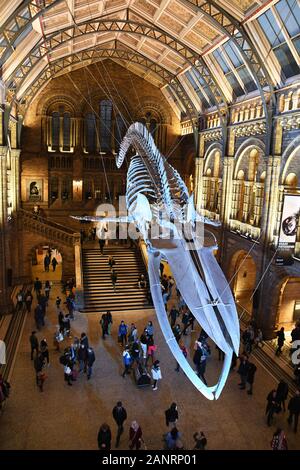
x=172, y=33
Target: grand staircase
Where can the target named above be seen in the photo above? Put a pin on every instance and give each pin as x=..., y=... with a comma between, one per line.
x=99, y=295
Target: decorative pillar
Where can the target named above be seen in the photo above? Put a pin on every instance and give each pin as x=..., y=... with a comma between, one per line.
x=226, y=198
x=15, y=179
x=270, y=203
x=4, y=298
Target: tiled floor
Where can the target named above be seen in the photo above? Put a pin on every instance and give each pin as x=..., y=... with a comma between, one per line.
x=65, y=417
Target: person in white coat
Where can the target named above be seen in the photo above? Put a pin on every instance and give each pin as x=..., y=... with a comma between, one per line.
x=156, y=374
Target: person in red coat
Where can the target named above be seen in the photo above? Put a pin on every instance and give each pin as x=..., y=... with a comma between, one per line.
x=135, y=436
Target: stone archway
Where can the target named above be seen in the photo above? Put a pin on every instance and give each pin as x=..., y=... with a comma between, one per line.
x=242, y=278
x=37, y=256
x=288, y=307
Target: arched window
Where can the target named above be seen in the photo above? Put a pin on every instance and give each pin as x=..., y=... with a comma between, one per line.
x=55, y=131
x=105, y=125
x=66, y=131
x=90, y=133
x=153, y=128
x=119, y=131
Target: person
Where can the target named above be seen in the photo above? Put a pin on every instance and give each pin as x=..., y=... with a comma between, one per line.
x=28, y=300
x=141, y=282
x=37, y=286
x=104, y=437
x=150, y=329
x=258, y=340
x=104, y=325
x=114, y=278
x=243, y=371
x=20, y=299
x=44, y=350
x=111, y=262
x=135, y=436
x=54, y=263
x=156, y=374
x=127, y=361
x=109, y=321
x=172, y=439
x=58, y=302
x=57, y=339
x=173, y=314
x=47, y=289
x=39, y=364
x=151, y=348
x=279, y=441
x=47, y=263
x=199, y=360
x=280, y=341
x=250, y=376
x=68, y=368
x=38, y=316
x=133, y=335
x=90, y=361
x=294, y=409
x=84, y=340
x=171, y=415
x=102, y=239
x=122, y=333
x=200, y=441
x=177, y=332
x=82, y=357
x=120, y=415
x=34, y=344
x=282, y=393
x=135, y=351
x=144, y=344
x=273, y=406
x=184, y=352
x=185, y=321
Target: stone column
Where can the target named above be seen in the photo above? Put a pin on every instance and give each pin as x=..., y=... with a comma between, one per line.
x=270, y=203
x=226, y=197
x=198, y=184
x=4, y=297
x=15, y=179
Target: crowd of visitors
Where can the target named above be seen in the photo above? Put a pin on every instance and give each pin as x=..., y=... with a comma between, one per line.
x=140, y=355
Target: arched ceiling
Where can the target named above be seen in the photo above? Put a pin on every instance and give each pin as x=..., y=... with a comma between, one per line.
x=159, y=40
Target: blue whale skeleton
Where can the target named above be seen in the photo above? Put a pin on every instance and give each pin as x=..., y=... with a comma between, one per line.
x=157, y=198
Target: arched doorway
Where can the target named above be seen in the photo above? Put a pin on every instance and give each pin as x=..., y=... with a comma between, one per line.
x=242, y=277
x=39, y=268
x=288, y=310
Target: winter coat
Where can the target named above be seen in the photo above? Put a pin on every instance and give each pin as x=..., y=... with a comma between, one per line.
x=90, y=357
x=119, y=414
x=104, y=439
x=171, y=415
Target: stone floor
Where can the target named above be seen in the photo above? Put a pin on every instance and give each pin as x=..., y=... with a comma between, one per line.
x=65, y=417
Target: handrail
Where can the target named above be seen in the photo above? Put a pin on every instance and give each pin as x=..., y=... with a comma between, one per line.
x=49, y=228
x=46, y=221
